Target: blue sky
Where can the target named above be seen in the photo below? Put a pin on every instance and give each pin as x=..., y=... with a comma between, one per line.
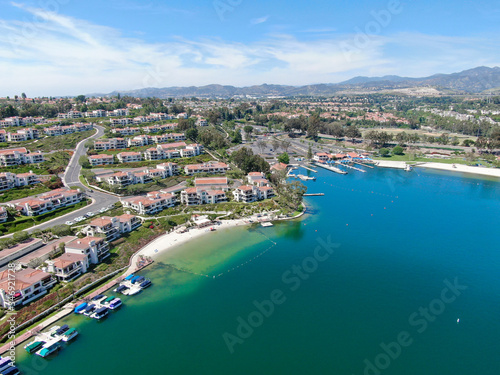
x=69, y=47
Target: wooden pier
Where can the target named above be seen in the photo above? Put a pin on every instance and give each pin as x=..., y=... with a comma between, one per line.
x=314, y=195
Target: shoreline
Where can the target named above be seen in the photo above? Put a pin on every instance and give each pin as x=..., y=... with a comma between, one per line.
x=158, y=246
x=481, y=171
x=460, y=168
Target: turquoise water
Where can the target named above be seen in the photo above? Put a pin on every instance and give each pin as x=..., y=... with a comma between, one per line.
x=394, y=242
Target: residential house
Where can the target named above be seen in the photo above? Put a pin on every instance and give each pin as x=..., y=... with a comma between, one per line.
x=96, y=249
x=129, y=157
x=252, y=193
x=40, y=204
x=110, y=144
x=4, y=215
x=101, y=159
x=18, y=156
x=212, y=183
x=153, y=203
x=210, y=167
x=68, y=266
x=24, y=286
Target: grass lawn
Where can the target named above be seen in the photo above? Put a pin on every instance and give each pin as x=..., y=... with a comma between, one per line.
x=22, y=192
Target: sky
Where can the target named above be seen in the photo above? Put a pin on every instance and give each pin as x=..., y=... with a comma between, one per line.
x=69, y=47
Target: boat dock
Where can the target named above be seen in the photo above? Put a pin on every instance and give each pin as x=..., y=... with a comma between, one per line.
x=314, y=195
x=364, y=165
x=306, y=178
x=308, y=168
x=332, y=168
x=350, y=166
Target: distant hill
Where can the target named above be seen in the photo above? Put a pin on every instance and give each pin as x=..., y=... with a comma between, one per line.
x=471, y=81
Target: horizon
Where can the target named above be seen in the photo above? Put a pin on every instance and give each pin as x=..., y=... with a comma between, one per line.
x=70, y=48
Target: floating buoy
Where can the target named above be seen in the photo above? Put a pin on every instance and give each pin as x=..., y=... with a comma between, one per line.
x=458, y=321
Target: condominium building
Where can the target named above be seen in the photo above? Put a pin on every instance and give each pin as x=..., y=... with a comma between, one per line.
x=24, y=286
x=96, y=249
x=40, y=204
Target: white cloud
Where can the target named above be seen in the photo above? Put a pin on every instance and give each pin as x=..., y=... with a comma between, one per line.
x=256, y=21
x=53, y=54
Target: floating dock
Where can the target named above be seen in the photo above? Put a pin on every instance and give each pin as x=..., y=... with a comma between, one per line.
x=314, y=195
x=332, y=168
x=350, y=166
x=266, y=224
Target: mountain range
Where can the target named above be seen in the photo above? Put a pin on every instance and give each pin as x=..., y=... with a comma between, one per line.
x=473, y=81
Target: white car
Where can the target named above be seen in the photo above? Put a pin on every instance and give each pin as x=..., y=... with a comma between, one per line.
x=90, y=214
x=79, y=218
x=69, y=223
x=104, y=209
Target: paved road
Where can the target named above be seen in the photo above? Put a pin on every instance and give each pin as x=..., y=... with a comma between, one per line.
x=72, y=172
x=71, y=178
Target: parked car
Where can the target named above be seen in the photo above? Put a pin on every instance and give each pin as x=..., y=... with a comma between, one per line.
x=69, y=223
x=89, y=214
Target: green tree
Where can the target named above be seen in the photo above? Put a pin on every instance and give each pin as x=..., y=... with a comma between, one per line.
x=237, y=139
x=192, y=134
x=284, y=158
x=398, y=150
x=352, y=132
x=20, y=236
x=84, y=162
x=80, y=98
x=248, y=129
x=384, y=152
x=309, y=153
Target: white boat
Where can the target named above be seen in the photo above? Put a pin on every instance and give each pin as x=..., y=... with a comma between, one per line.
x=50, y=347
x=100, y=313
x=69, y=335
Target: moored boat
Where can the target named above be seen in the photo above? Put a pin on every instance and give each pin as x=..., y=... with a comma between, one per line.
x=60, y=331
x=121, y=289
x=49, y=348
x=114, y=304
x=69, y=335
x=33, y=346
x=100, y=313
x=5, y=363
x=89, y=310
x=145, y=284
x=80, y=308
x=137, y=280
x=11, y=370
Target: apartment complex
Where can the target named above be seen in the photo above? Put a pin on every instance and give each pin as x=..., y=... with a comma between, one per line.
x=32, y=206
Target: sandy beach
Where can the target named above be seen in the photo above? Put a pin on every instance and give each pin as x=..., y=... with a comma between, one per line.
x=483, y=171
x=173, y=239
x=390, y=164
x=492, y=172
